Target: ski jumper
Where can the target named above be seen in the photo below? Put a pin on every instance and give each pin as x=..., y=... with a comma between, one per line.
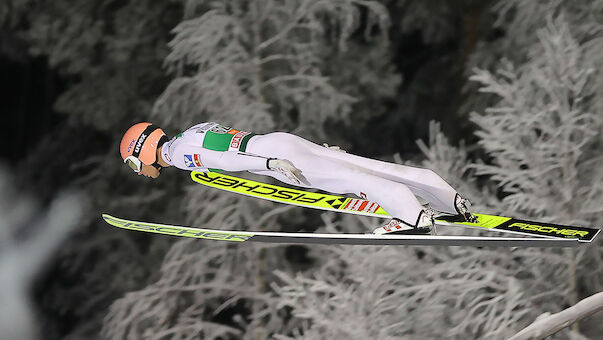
x=214, y=147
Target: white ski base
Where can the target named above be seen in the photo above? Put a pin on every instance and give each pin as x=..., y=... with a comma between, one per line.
x=410, y=240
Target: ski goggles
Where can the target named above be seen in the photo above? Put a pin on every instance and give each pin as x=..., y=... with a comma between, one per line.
x=134, y=163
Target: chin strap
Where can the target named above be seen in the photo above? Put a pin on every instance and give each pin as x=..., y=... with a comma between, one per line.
x=162, y=141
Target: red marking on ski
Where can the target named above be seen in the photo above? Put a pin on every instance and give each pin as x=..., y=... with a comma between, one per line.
x=347, y=205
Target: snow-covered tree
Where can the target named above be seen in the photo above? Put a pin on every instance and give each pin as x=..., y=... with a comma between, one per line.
x=261, y=64
x=508, y=30
x=543, y=137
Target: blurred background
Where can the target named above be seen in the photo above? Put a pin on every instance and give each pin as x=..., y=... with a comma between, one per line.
x=501, y=98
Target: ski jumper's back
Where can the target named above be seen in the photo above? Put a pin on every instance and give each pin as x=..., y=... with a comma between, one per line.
x=211, y=147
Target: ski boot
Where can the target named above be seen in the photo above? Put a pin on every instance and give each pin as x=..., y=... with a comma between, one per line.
x=424, y=225
x=462, y=206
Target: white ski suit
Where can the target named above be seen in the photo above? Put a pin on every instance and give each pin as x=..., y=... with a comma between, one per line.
x=210, y=146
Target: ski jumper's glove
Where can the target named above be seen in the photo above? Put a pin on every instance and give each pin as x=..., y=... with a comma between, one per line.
x=285, y=168
x=333, y=147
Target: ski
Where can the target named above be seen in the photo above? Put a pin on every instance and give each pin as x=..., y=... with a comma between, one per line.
x=367, y=208
x=348, y=239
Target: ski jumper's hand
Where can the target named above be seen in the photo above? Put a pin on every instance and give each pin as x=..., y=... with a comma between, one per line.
x=333, y=147
x=285, y=168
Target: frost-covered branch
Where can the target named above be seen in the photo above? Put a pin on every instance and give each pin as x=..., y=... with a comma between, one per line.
x=549, y=324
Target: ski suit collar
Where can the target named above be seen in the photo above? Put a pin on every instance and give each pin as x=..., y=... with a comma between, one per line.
x=165, y=153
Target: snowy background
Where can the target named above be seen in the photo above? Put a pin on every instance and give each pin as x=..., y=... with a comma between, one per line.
x=501, y=98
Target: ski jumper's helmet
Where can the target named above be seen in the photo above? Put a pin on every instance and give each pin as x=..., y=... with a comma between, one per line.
x=139, y=145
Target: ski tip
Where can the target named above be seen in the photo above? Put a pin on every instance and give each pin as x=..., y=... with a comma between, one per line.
x=114, y=221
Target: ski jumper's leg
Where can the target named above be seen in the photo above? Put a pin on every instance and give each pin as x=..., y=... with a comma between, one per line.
x=334, y=175
x=422, y=182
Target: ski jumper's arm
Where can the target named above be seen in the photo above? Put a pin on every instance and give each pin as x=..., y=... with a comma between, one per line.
x=240, y=161
x=233, y=160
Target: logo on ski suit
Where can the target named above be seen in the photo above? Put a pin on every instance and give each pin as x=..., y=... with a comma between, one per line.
x=193, y=161
x=220, y=129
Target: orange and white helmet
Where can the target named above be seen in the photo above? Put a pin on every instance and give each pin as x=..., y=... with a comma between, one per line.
x=139, y=145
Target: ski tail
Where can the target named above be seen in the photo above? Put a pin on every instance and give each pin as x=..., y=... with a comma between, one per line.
x=524, y=227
